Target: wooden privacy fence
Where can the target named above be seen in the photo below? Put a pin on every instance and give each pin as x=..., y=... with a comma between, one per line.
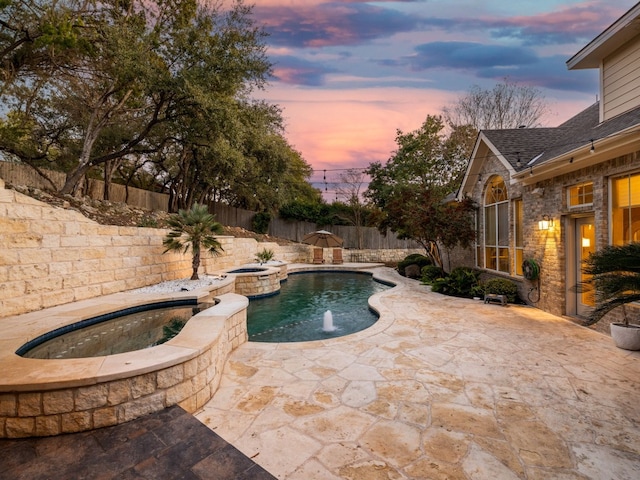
x=19, y=174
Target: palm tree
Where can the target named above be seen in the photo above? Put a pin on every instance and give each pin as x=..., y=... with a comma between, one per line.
x=195, y=229
x=615, y=274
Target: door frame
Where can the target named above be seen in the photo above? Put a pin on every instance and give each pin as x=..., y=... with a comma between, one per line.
x=572, y=256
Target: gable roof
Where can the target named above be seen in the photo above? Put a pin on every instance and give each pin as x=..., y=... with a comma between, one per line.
x=616, y=35
x=528, y=153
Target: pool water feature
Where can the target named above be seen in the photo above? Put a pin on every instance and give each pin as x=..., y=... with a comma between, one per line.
x=117, y=332
x=297, y=314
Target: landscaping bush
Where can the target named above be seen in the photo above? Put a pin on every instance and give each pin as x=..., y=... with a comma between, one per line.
x=260, y=222
x=430, y=273
x=413, y=259
x=459, y=283
x=502, y=286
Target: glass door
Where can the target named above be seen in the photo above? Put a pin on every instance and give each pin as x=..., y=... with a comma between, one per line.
x=585, y=239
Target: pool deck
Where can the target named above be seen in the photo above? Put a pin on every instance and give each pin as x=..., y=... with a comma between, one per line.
x=438, y=388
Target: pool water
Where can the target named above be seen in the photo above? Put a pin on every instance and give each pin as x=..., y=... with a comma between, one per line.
x=296, y=314
x=115, y=334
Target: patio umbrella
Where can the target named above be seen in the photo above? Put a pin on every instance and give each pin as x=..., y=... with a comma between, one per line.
x=323, y=239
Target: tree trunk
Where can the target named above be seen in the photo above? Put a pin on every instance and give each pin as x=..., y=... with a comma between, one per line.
x=195, y=262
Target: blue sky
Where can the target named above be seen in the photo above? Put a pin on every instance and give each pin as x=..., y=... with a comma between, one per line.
x=349, y=73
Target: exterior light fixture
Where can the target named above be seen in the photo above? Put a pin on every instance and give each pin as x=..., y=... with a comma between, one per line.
x=586, y=242
x=593, y=148
x=546, y=223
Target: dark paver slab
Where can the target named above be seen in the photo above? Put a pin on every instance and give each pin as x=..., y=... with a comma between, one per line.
x=170, y=444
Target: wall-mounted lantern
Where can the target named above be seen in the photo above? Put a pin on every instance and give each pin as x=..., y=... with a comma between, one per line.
x=546, y=223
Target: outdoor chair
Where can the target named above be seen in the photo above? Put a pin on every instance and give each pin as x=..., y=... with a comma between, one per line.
x=318, y=256
x=337, y=256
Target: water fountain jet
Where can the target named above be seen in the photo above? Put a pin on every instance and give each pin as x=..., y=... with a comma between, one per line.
x=327, y=324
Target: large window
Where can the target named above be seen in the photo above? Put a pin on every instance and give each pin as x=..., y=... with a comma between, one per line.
x=496, y=226
x=625, y=209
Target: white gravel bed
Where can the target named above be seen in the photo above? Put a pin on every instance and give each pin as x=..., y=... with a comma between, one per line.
x=180, y=285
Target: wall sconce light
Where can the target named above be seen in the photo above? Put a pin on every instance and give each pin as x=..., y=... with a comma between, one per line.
x=586, y=242
x=593, y=148
x=546, y=223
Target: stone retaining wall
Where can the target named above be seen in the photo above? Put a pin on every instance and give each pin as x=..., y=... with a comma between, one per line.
x=52, y=256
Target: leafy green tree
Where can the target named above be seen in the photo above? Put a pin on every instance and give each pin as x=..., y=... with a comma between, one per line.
x=615, y=272
x=153, y=67
x=410, y=190
x=194, y=230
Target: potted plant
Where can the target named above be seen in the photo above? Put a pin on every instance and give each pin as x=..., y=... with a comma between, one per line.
x=615, y=274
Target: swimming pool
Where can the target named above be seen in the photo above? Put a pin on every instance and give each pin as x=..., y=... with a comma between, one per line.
x=297, y=313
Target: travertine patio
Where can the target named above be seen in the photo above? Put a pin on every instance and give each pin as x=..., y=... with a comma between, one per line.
x=439, y=388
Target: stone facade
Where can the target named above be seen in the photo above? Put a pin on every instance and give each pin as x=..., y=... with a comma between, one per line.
x=548, y=248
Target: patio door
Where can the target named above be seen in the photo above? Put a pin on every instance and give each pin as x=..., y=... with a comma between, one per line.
x=585, y=244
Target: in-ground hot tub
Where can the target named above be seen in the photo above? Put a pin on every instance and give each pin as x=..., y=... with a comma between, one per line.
x=42, y=397
x=259, y=280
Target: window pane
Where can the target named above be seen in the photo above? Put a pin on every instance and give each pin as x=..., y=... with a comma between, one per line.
x=503, y=260
x=491, y=258
x=581, y=194
x=490, y=225
x=625, y=213
x=496, y=191
x=632, y=225
x=517, y=207
x=503, y=224
x=519, y=260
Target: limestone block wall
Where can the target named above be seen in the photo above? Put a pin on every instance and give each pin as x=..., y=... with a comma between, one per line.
x=375, y=256
x=51, y=256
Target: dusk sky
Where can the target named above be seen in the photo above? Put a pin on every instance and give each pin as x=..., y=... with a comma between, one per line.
x=349, y=73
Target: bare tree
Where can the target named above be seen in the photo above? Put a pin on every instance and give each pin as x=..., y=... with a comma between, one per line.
x=507, y=105
x=351, y=189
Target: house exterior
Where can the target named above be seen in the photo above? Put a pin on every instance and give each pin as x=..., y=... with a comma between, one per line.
x=554, y=195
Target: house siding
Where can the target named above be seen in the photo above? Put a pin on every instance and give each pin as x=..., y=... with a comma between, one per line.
x=621, y=81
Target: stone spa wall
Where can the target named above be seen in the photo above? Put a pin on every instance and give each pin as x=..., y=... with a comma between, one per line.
x=42, y=397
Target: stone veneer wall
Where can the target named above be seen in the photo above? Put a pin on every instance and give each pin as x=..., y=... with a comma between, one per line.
x=387, y=257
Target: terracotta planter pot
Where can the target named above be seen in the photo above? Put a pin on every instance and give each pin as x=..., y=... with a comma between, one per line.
x=626, y=336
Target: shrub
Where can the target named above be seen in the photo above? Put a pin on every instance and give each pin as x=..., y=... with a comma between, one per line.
x=264, y=256
x=430, y=273
x=413, y=259
x=502, y=286
x=459, y=283
x=148, y=222
x=260, y=222
x=477, y=291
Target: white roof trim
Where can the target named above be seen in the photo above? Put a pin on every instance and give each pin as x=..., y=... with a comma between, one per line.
x=616, y=35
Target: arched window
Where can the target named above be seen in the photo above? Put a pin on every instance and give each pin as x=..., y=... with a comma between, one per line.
x=496, y=225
